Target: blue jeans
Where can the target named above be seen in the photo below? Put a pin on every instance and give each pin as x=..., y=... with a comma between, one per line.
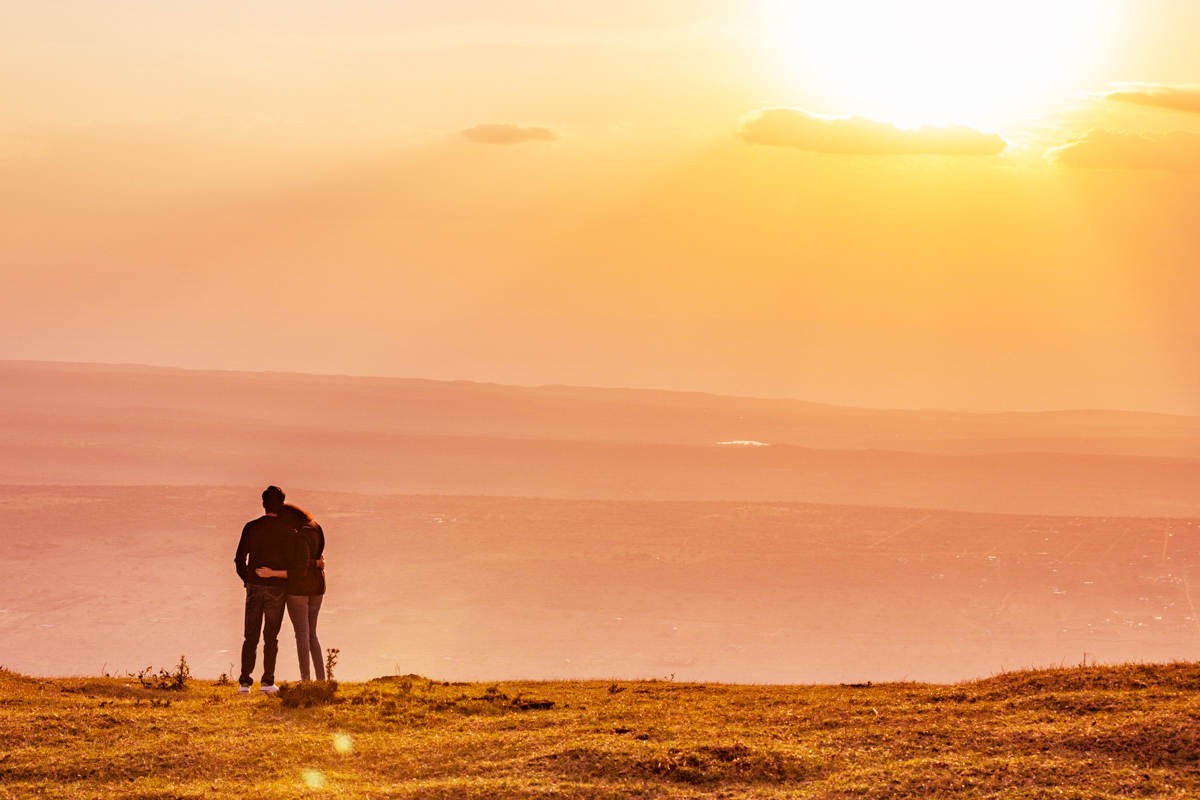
x=303, y=611
x=264, y=612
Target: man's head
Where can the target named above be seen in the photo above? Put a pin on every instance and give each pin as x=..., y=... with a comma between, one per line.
x=272, y=499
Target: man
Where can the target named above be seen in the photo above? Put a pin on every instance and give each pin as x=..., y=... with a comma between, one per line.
x=265, y=542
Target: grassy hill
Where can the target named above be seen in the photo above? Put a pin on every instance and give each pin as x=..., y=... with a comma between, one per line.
x=1087, y=732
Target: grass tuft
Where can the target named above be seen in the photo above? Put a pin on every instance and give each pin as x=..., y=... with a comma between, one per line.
x=306, y=694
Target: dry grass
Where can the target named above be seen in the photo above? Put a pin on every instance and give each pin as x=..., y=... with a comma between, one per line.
x=1090, y=732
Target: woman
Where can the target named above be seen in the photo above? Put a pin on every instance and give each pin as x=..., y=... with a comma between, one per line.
x=305, y=586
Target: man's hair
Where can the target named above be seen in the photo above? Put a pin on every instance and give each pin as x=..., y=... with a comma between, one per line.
x=272, y=498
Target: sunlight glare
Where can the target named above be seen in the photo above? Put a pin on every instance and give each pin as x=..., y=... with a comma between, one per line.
x=941, y=60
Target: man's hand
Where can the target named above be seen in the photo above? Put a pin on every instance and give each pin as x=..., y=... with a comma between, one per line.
x=267, y=572
x=320, y=562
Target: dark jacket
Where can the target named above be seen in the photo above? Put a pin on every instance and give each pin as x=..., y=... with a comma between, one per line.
x=266, y=542
x=304, y=576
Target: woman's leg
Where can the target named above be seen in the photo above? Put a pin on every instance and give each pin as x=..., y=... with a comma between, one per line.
x=297, y=606
x=314, y=646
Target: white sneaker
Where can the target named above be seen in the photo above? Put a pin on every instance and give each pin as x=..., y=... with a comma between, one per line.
x=268, y=688
x=243, y=689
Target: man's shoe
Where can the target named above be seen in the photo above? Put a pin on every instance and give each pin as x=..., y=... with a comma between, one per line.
x=243, y=688
x=268, y=688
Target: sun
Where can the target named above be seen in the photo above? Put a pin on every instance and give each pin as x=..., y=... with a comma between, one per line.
x=964, y=61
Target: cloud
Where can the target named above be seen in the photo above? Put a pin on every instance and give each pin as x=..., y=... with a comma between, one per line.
x=508, y=133
x=1100, y=148
x=1177, y=98
x=794, y=127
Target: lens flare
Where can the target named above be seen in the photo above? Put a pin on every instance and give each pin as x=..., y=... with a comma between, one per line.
x=313, y=779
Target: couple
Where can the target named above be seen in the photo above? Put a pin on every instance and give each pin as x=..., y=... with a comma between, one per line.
x=279, y=560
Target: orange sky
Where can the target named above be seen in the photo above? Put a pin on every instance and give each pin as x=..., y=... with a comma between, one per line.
x=906, y=204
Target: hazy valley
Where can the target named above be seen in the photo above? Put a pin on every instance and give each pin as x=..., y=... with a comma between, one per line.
x=494, y=532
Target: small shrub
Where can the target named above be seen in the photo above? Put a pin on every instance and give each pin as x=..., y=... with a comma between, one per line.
x=175, y=681
x=224, y=680
x=306, y=694
x=331, y=657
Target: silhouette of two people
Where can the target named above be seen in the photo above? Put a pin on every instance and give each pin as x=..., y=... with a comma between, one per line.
x=280, y=559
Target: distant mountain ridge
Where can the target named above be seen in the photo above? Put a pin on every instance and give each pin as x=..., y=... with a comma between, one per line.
x=100, y=424
x=302, y=397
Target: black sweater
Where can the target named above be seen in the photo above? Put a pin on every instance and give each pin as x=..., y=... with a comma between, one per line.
x=266, y=542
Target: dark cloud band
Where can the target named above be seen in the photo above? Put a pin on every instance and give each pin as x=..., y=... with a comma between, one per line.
x=508, y=133
x=1176, y=98
x=803, y=130
x=1100, y=148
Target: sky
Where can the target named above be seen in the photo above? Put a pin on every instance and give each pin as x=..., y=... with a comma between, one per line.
x=911, y=203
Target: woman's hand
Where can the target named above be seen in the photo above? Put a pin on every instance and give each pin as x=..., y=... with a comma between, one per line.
x=267, y=572
x=320, y=562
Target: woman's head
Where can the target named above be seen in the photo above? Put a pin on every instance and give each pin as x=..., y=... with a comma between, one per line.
x=295, y=515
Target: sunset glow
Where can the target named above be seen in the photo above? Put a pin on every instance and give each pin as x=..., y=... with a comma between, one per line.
x=912, y=203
